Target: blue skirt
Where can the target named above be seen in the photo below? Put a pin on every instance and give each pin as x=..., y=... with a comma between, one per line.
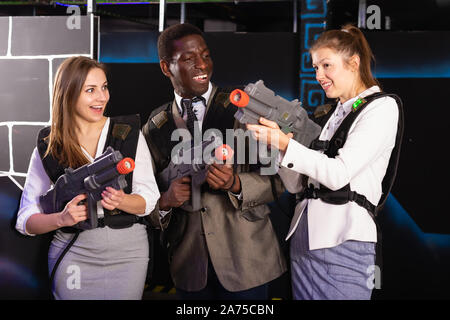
x=344, y=272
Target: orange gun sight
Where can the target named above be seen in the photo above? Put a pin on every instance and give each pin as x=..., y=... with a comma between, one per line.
x=239, y=98
x=125, y=166
x=224, y=152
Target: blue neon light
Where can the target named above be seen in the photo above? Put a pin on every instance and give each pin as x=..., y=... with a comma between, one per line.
x=314, y=4
x=400, y=219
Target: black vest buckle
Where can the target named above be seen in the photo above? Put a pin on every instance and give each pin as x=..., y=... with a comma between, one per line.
x=320, y=144
x=310, y=193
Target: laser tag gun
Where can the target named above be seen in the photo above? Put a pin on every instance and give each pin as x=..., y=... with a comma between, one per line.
x=259, y=101
x=193, y=161
x=108, y=170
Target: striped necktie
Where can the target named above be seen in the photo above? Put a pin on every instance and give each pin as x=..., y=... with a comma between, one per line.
x=191, y=117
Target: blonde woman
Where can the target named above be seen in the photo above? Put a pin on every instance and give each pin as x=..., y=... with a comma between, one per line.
x=333, y=233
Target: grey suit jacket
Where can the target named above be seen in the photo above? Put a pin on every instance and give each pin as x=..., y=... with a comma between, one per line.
x=237, y=235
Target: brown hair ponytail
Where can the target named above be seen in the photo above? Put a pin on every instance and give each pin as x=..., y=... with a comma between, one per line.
x=350, y=41
x=69, y=80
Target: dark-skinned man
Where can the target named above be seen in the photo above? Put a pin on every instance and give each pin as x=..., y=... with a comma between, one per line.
x=227, y=249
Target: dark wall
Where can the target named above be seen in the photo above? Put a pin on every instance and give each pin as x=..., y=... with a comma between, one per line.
x=238, y=59
x=420, y=185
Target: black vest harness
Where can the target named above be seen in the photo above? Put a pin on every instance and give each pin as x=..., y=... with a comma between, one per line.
x=158, y=131
x=123, y=134
x=331, y=147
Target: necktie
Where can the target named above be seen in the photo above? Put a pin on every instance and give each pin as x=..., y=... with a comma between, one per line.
x=191, y=117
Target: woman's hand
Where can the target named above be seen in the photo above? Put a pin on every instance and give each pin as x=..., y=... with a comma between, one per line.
x=112, y=198
x=73, y=212
x=269, y=132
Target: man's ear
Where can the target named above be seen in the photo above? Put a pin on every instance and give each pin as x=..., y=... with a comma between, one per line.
x=165, y=68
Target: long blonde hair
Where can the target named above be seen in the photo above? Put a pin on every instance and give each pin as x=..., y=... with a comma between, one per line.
x=69, y=80
x=350, y=41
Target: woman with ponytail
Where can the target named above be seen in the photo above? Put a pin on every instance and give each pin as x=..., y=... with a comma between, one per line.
x=340, y=182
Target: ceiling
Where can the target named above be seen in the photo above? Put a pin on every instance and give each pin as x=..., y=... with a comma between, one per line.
x=245, y=16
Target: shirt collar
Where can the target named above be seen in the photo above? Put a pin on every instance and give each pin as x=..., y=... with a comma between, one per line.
x=205, y=95
x=347, y=105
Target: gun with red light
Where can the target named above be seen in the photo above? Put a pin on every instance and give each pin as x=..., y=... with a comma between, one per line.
x=108, y=170
x=256, y=100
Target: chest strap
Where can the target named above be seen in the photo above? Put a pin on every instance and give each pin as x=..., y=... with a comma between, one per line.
x=338, y=197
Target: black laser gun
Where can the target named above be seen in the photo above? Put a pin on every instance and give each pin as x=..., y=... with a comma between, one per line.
x=193, y=161
x=259, y=101
x=108, y=170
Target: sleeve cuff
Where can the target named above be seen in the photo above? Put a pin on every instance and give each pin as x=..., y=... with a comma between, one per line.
x=237, y=195
x=292, y=155
x=21, y=223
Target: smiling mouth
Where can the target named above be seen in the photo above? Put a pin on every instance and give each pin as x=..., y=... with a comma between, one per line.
x=326, y=85
x=96, y=108
x=201, y=78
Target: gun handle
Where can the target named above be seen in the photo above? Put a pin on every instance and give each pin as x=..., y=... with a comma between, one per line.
x=196, y=196
x=92, y=220
x=47, y=202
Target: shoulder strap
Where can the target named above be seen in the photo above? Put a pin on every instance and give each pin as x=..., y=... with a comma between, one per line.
x=157, y=132
x=51, y=165
x=391, y=172
x=340, y=136
x=220, y=112
x=323, y=113
x=123, y=135
x=321, y=116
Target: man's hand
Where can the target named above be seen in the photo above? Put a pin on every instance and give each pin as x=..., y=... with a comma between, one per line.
x=222, y=176
x=178, y=193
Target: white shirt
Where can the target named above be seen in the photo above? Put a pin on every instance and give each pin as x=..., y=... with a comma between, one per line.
x=362, y=162
x=38, y=182
x=198, y=107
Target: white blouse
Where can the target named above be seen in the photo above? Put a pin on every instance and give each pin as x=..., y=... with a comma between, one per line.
x=38, y=182
x=362, y=162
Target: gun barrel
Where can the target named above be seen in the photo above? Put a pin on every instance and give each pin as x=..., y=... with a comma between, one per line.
x=224, y=152
x=96, y=181
x=243, y=100
x=125, y=166
x=239, y=98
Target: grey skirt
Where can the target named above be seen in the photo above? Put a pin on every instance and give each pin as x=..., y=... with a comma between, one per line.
x=337, y=273
x=102, y=264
